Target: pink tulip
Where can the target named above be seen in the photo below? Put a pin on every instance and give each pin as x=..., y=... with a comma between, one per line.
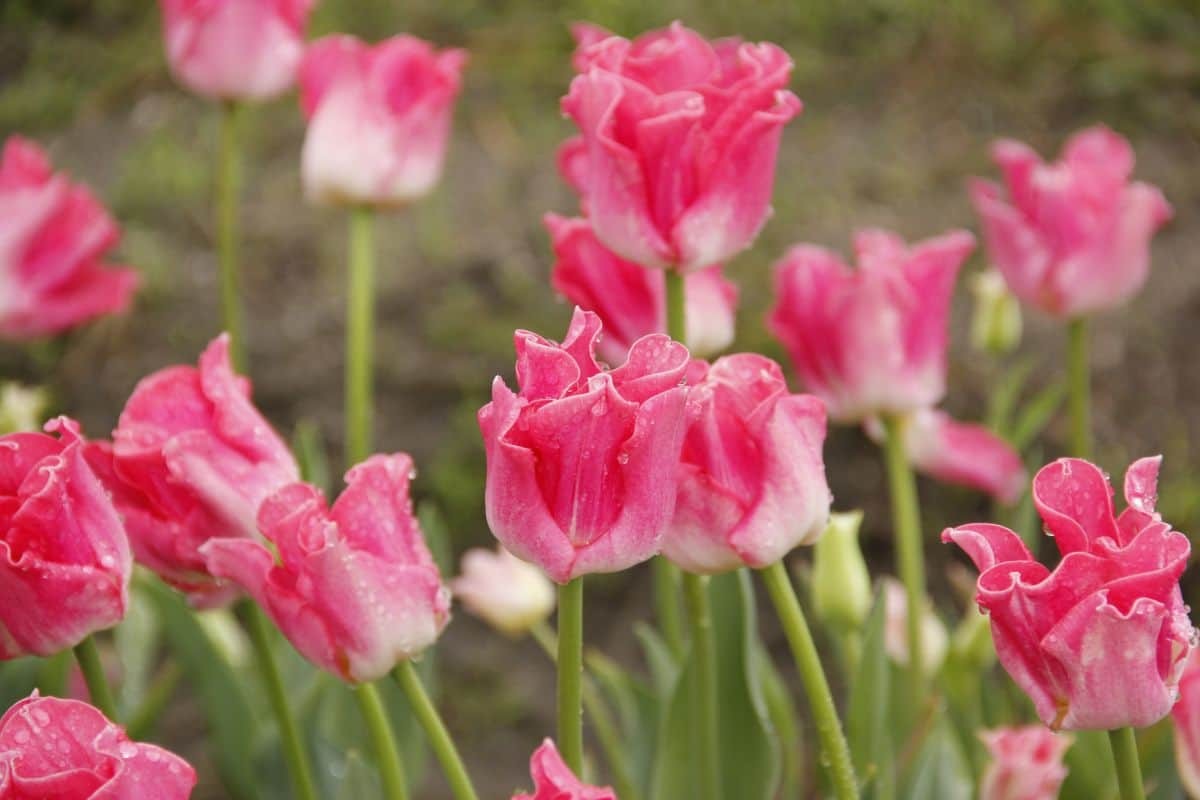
x=961, y=453
x=679, y=136
x=752, y=477
x=630, y=300
x=1072, y=237
x=353, y=586
x=582, y=462
x=934, y=638
x=67, y=750
x=191, y=460
x=64, y=558
x=506, y=592
x=1186, y=718
x=1027, y=763
x=53, y=234
x=378, y=118
x=553, y=779
x=235, y=49
x=1099, y=641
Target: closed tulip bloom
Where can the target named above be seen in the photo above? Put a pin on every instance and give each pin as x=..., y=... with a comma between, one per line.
x=841, y=582
x=553, y=779
x=1027, y=763
x=1098, y=642
x=509, y=594
x=582, y=462
x=191, y=460
x=53, y=235
x=678, y=141
x=235, y=49
x=64, y=558
x=873, y=340
x=630, y=300
x=1071, y=237
x=1186, y=718
x=378, y=118
x=67, y=750
x=353, y=586
x=752, y=475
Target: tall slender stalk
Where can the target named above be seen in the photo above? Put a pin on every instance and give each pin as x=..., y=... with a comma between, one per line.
x=1129, y=769
x=93, y=674
x=360, y=332
x=834, y=748
x=383, y=739
x=228, y=189
x=439, y=738
x=570, y=673
x=704, y=655
x=1079, y=378
x=910, y=552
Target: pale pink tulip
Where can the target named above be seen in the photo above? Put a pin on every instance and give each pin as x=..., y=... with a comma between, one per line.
x=1027, y=763
x=509, y=594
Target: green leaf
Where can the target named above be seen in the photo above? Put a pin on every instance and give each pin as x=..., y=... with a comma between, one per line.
x=437, y=536
x=1036, y=414
x=940, y=770
x=356, y=780
x=785, y=720
x=1004, y=394
x=1090, y=771
x=309, y=447
x=870, y=699
x=136, y=640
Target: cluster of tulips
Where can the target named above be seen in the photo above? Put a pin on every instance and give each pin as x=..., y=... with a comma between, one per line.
x=620, y=445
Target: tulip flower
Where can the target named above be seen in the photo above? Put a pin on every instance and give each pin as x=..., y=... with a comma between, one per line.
x=378, y=118
x=1027, y=763
x=53, y=234
x=582, y=461
x=509, y=594
x=631, y=300
x=870, y=341
x=935, y=640
x=1071, y=237
x=67, y=750
x=678, y=140
x=1098, y=642
x=64, y=558
x=553, y=779
x=1186, y=718
x=996, y=320
x=841, y=582
x=354, y=588
x=191, y=460
x=235, y=49
x=752, y=476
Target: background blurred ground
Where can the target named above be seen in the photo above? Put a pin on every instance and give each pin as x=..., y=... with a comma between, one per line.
x=901, y=101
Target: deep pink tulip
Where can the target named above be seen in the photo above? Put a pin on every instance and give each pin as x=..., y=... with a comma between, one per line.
x=678, y=141
x=1027, y=763
x=1072, y=237
x=1099, y=641
x=352, y=586
x=235, y=49
x=67, y=750
x=378, y=118
x=582, y=462
x=1186, y=718
x=191, y=460
x=53, y=234
x=873, y=340
x=752, y=475
x=64, y=557
x=553, y=779
x=630, y=300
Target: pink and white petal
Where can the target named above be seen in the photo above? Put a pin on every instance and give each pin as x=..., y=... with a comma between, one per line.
x=1074, y=499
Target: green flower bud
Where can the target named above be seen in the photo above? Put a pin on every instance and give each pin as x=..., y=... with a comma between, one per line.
x=22, y=408
x=841, y=584
x=996, y=324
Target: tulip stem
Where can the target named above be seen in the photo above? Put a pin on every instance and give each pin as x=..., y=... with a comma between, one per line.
x=829, y=728
x=439, y=738
x=704, y=660
x=229, y=181
x=1129, y=770
x=360, y=329
x=668, y=607
x=1080, y=388
x=293, y=746
x=910, y=552
x=88, y=657
x=383, y=739
x=570, y=673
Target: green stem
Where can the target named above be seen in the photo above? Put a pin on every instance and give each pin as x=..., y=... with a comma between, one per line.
x=704, y=655
x=228, y=189
x=1129, y=770
x=141, y=723
x=439, y=738
x=360, y=329
x=383, y=739
x=829, y=729
x=293, y=746
x=910, y=552
x=1080, y=388
x=93, y=674
x=570, y=673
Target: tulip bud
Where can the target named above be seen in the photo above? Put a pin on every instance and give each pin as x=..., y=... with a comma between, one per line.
x=509, y=594
x=895, y=635
x=841, y=584
x=996, y=324
x=22, y=408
